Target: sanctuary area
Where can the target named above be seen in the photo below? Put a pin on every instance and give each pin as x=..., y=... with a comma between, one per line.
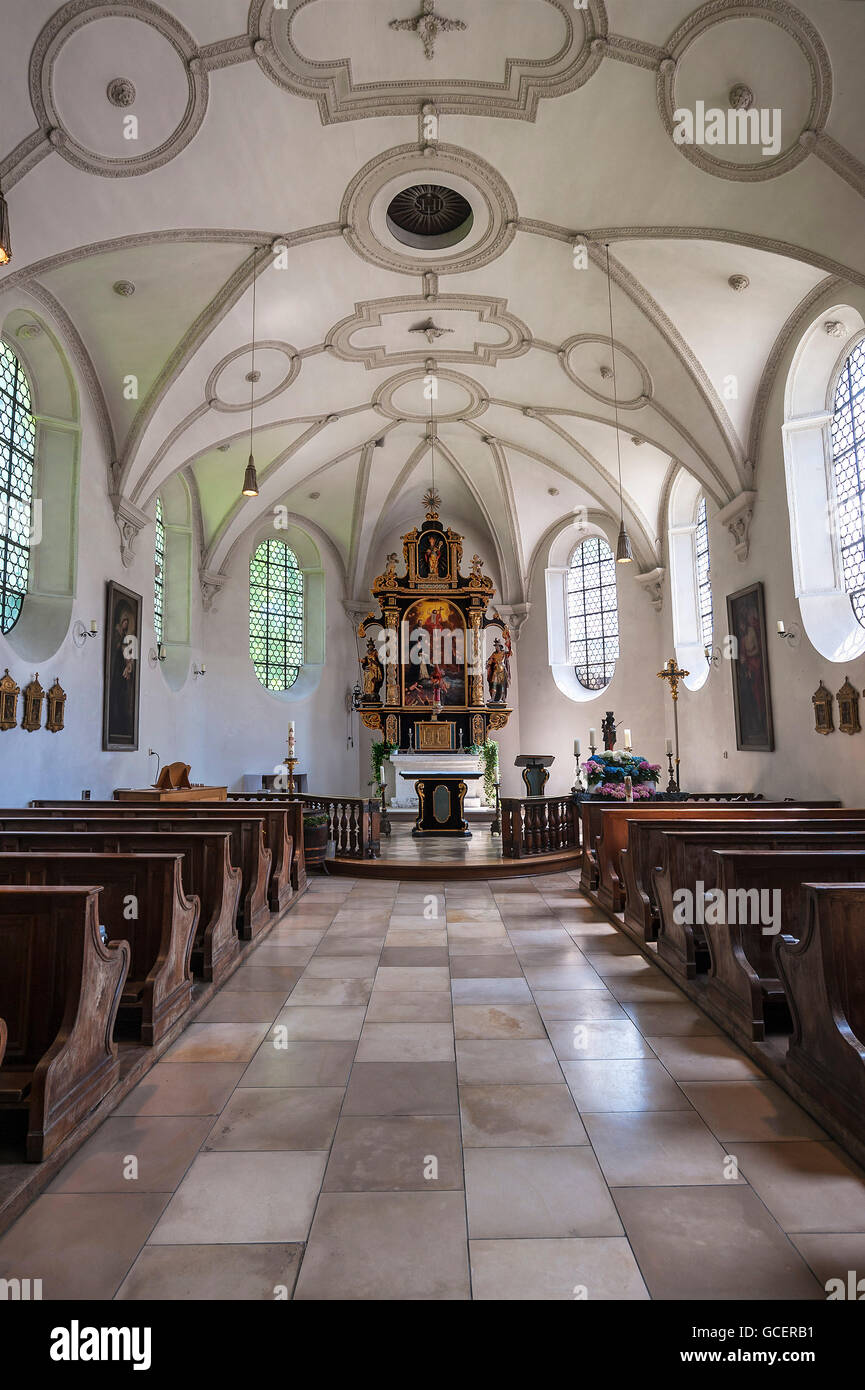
x=432, y=645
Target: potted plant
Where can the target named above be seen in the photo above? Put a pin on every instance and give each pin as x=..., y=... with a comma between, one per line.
x=606, y=773
x=315, y=838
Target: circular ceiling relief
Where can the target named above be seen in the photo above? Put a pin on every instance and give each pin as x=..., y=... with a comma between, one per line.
x=588, y=361
x=229, y=385
x=429, y=216
x=77, y=62
x=403, y=397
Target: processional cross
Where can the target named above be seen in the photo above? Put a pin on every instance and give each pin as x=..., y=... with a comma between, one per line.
x=428, y=25
x=674, y=674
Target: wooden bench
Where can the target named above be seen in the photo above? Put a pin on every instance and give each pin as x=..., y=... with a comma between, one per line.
x=642, y=854
x=207, y=872
x=141, y=901
x=689, y=856
x=743, y=982
x=248, y=850
x=823, y=975
x=60, y=990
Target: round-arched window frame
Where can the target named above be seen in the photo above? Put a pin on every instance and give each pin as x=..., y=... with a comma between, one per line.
x=17, y=462
x=593, y=613
x=848, y=466
x=275, y=615
x=704, y=575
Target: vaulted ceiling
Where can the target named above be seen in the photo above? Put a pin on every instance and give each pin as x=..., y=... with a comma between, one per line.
x=266, y=145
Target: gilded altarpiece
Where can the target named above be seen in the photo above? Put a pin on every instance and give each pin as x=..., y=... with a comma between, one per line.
x=436, y=655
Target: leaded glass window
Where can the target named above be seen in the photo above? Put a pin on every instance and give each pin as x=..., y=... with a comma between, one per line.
x=159, y=573
x=593, y=613
x=17, y=446
x=275, y=615
x=704, y=575
x=848, y=458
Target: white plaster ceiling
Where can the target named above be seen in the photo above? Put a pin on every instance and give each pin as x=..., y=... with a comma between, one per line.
x=256, y=124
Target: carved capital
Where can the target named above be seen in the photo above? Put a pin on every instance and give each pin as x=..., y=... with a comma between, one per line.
x=130, y=520
x=211, y=587
x=653, y=583
x=515, y=617
x=737, y=517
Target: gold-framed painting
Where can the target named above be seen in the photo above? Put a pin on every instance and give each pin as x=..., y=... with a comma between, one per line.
x=121, y=690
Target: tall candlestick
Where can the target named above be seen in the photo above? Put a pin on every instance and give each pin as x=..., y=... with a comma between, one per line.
x=668, y=748
x=576, y=747
x=593, y=737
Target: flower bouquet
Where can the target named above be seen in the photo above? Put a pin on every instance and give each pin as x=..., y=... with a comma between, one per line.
x=606, y=773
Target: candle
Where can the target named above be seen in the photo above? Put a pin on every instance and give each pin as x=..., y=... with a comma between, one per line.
x=669, y=746
x=627, y=740
x=593, y=737
x=93, y=627
x=781, y=626
x=291, y=738
x=576, y=747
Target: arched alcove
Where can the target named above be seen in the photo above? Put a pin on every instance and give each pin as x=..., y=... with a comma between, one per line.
x=562, y=665
x=686, y=495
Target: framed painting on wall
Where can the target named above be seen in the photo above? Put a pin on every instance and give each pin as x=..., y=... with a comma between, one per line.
x=121, y=690
x=752, y=700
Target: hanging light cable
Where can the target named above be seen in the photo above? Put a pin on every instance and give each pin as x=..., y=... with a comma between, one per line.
x=250, y=477
x=624, y=555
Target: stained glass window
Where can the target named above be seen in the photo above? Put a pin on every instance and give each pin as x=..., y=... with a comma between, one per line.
x=17, y=444
x=848, y=457
x=593, y=613
x=704, y=575
x=159, y=573
x=275, y=615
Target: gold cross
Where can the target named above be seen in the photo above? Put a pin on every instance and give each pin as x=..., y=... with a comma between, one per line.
x=428, y=25
x=672, y=674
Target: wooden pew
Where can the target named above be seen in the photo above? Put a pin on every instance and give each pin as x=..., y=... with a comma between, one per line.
x=141, y=901
x=60, y=989
x=248, y=849
x=207, y=872
x=642, y=854
x=688, y=856
x=743, y=981
x=823, y=975
x=4, y=1034
x=283, y=834
x=613, y=836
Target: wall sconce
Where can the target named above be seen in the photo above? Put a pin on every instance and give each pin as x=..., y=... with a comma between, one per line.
x=80, y=633
x=713, y=655
x=791, y=634
x=198, y=671
x=157, y=655
x=355, y=696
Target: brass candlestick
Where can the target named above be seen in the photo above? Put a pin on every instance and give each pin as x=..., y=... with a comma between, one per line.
x=673, y=674
x=291, y=764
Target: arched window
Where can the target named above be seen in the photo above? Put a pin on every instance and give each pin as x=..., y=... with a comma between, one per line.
x=704, y=575
x=17, y=444
x=593, y=613
x=159, y=573
x=848, y=461
x=275, y=615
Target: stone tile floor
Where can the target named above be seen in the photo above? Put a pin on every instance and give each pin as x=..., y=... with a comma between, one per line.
x=420, y=1092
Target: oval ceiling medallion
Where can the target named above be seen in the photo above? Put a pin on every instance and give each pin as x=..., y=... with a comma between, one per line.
x=768, y=120
x=429, y=216
x=432, y=188
x=151, y=112
x=586, y=359
x=276, y=367
x=402, y=398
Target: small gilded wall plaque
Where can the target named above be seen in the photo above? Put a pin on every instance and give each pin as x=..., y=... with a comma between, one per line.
x=822, y=702
x=848, y=708
x=33, y=697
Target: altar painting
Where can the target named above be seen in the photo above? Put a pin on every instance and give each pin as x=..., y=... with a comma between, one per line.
x=434, y=646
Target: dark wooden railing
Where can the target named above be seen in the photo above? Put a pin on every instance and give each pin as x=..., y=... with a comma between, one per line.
x=539, y=825
x=353, y=824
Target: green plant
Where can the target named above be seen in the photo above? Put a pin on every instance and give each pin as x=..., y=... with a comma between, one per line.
x=312, y=822
x=378, y=754
x=489, y=752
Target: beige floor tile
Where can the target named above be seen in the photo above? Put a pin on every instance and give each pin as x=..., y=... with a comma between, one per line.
x=711, y=1244
x=651, y=988
x=497, y=1021
x=314, y=990
x=394, y=1154
x=325, y=1022
x=514, y=1061
x=235, y=1198
x=476, y=931
x=750, y=1110
x=301, y=1064
x=555, y=1005
x=499, y=966
x=243, y=1006
x=535, y=940
x=341, y=967
x=623, y=1085
x=160, y=1146
x=494, y=947
x=406, y=1042
x=562, y=977
x=409, y=1006
x=413, y=957
x=494, y=990
x=365, y=1246
x=402, y=1088
x=806, y=1186
x=670, y=1020
x=54, y=1241
x=183, y=1088
x=703, y=1059
x=212, y=1273
x=537, y=1192
x=265, y=977
x=593, y=1039
x=596, y=1269
x=430, y=977
x=351, y=946
x=217, y=1042
x=272, y=1117
x=609, y=966
x=656, y=1148
x=833, y=1257
x=518, y=1116
x=415, y=941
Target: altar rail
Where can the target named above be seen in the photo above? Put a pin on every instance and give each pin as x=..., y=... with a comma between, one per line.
x=539, y=825
x=353, y=824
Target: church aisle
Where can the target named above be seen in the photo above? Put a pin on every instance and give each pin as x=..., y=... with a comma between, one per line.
x=420, y=1092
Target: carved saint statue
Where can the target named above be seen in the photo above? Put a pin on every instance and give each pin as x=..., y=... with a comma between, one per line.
x=476, y=575
x=499, y=670
x=608, y=730
x=373, y=672
x=433, y=555
x=390, y=569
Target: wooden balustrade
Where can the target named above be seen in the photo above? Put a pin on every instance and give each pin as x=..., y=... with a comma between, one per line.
x=539, y=825
x=353, y=824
